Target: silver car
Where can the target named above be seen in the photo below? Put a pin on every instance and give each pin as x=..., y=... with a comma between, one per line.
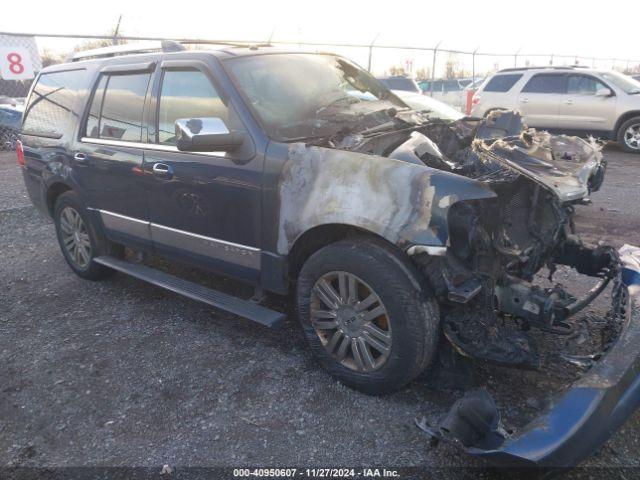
x=574, y=100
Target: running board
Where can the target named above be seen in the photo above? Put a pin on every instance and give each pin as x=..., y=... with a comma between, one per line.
x=223, y=301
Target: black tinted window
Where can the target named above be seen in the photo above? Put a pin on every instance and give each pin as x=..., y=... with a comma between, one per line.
x=583, y=85
x=116, y=109
x=502, y=83
x=51, y=103
x=405, y=84
x=451, y=86
x=186, y=94
x=545, y=83
x=93, y=120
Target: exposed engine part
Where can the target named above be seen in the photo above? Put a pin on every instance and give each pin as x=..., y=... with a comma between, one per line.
x=600, y=261
x=541, y=308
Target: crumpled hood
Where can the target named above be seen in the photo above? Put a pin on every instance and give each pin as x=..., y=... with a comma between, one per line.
x=569, y=166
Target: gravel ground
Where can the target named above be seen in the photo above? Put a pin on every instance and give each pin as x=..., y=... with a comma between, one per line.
x=120, y=373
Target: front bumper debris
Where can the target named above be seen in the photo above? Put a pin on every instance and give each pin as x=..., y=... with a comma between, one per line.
x=577, y=422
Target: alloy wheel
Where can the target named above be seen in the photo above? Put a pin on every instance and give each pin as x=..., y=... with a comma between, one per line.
x=75, y=237
x=351, y=321
x=632, y=136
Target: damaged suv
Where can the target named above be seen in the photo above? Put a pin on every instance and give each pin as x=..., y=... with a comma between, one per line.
x=300, y=173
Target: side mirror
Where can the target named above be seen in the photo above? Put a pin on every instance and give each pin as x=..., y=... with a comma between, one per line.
x=604, y=92
x=206, y=135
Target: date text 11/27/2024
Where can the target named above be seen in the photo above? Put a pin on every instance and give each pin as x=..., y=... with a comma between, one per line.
x=316, y=472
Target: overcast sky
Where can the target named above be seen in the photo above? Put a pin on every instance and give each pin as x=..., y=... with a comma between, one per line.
x=542, y=26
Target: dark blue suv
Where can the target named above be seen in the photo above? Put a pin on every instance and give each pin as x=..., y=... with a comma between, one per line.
x=398, y=233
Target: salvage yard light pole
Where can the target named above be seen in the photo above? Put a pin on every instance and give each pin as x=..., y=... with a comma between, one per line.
x=433, y=68
x=473, y=64
x=515, y=58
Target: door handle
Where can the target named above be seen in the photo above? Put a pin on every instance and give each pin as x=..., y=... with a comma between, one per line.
x=524, y=100
x=568, y=102
x=162, y=170
x=80, y=157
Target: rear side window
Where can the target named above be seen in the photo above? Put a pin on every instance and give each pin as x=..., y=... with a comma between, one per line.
x=502, y=83
x=51, y=103
x=186, y=94
x=545, y=83
x=117, y=106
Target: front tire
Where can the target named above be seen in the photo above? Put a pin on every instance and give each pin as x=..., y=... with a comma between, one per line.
x=80, y=239
x=629, y=135
x=367, y=314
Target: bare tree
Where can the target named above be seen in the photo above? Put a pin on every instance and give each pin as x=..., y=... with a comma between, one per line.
x=452, y=66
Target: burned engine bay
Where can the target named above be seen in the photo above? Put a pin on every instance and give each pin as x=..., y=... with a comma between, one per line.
x=497, y=245
x=488, y=284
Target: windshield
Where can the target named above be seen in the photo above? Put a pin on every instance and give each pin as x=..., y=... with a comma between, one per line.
x=297, y=95
x=432, y=108
x=623, y=82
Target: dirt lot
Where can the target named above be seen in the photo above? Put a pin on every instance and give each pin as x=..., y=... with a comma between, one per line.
x=120, y=373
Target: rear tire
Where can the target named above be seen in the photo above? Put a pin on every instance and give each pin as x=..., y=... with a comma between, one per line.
x=409, y=328
x=80, y=239
x=629, y=135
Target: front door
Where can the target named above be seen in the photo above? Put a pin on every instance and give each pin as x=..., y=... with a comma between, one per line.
x=109, y=156
x=581, y=109
x=204, y=207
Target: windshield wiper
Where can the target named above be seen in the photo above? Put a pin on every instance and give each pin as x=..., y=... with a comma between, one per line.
x=634, y=92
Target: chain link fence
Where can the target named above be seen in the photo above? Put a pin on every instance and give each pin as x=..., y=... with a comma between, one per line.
x=420, y=62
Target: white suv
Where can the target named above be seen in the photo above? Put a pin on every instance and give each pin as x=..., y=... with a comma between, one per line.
x=573, y=100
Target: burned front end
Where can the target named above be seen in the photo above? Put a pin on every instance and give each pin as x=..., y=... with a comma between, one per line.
x=487, y=279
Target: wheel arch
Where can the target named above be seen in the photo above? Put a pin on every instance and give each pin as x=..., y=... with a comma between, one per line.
x=53, y=192
x=623, y=118
x=320, y=236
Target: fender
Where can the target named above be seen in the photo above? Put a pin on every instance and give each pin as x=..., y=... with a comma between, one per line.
x=404, y=203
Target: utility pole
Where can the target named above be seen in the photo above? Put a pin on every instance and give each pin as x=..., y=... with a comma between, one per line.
x=371, y=51
x=117, y=30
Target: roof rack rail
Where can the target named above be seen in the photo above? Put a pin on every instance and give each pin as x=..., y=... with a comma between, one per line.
x=544, y=67
x=128, y=49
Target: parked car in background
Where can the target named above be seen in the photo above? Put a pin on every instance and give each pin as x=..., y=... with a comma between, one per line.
x=636, y=77
x=575, y=100
x=430, y=107
x=451, y=91
x=400, y=82
x=10, y=120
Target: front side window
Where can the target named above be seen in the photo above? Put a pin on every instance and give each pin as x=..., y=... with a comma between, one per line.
x=117, y=106
x=545, y=83
x=583, y=85
x=186, y=94
x=51, y=103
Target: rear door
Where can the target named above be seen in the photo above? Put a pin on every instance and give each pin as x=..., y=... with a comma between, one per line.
x=581, y=109
x=204, y=207
x=109, y=156
x=539, y=100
